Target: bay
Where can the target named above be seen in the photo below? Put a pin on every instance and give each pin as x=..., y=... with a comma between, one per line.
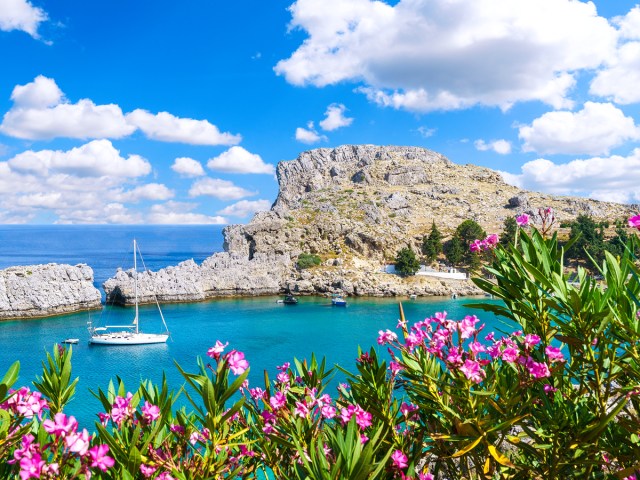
x=267, y=332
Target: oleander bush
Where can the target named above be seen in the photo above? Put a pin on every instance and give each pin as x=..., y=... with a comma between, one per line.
x=556, y=396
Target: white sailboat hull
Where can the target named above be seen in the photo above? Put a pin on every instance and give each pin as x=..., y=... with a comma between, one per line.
x=128, y=338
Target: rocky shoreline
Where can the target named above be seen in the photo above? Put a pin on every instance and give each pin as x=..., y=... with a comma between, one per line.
x=45, y=290
x=354, y=206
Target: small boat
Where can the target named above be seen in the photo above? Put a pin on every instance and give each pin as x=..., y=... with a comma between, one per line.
x=413, y=296
x=129, y=334
x=290, y=300
x=338, y=301
x=71, y=341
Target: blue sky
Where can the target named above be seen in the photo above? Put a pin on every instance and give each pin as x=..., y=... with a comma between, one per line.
x=177, y=112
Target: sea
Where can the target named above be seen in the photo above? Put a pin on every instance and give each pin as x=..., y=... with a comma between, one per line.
x=269, y=333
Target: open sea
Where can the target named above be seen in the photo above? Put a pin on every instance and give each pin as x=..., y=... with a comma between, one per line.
x=267, y=332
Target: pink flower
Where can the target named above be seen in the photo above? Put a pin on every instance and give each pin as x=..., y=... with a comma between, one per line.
x=491, y=241
x=301, y=410
x=100, y=459
x=363, y=419
x=164, y=476
x=549, y=388
x=150, y=412
x=530, y=340
x=522, y=220
x=454, y=358
x=510, y=354
x=328, y=411
x=78, y=442
x=284, y=367
x=471, y=369
x=31, y=467
x=538, y=370
x=256, y=393
x=386, y=337
x=395, y=367
x=237, y=363
x=476, y=348
x=425, y=476
x=399, y=459
x=554, y=354
x=177, y=429
x=215, y=351
x=476, y=246
x=61, y=425
x=278, y=401
x=468, y=326
x=147, y=470
x=283, y=377
x=407, y=408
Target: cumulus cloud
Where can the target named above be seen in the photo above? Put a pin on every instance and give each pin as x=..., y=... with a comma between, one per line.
x=335, y=118
x=244, y=208
x=594, y=130
x=169, y=128
x=150, y=191
x=94, y=159
x=620, y=80
x=92, y=183
x=187, y=167
x=41, y=112
x=171, y=213
x=220, y=189
x=21, y=15
x=309, y=135
x=424, y=56
x=503, y=147
x=614, y=178
x=239, y=160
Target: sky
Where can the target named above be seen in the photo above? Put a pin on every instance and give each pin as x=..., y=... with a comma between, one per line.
x=165, y=112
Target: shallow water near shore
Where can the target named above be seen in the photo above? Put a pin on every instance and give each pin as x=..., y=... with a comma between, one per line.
x=267, y=332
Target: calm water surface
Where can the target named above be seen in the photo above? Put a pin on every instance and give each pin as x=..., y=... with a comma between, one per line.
x=269, y=333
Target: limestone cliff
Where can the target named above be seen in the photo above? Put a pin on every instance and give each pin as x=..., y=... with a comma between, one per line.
x=45, y=290
x=354, y=205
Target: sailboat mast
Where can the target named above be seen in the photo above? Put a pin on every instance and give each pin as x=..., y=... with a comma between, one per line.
x=135, y=282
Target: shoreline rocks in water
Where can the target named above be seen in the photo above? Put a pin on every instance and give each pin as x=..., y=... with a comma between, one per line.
x=46, y=290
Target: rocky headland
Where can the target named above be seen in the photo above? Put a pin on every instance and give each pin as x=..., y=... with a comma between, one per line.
x=45, y=290
x=355, y=206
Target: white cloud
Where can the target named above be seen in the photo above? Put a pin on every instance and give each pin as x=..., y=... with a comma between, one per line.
x=620, y=80
x=614, y=178
x=503, y=147
x=239, y=160
x=334, y=118
x=21, y=15
x=594, y=130
x=629, y=25
x=445, y=54
x=94, y=159
x=169, y=128
x=244, y=208
x=220, y=189
x=172, y=213
x=150, y=191
x=187, y=167
x=309, y=135
x=92, y=183
x=40, y=112
x=426, y=132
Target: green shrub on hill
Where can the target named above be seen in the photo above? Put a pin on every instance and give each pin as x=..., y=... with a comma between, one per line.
x=308, y=260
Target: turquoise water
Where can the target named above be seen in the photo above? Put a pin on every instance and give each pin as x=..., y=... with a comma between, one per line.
x=267, y=332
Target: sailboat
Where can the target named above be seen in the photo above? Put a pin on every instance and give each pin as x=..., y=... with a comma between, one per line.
x=129, y=334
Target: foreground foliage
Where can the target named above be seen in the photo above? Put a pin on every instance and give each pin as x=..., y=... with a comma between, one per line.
x=556, y=396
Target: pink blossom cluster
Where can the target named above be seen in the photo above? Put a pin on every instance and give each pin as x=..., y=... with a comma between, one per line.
x=488, y=243
x=523, y=220
x=25, y=403
x=634, y=222
x=235, y=359
x=68, y=443
x=456, y=344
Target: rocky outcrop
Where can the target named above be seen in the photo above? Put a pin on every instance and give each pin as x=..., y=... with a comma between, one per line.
x=45, y=290
x=355, y=206
x=223, y=274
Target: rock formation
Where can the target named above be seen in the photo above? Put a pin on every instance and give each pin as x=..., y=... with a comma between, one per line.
x=355, y=206
x=45, y=290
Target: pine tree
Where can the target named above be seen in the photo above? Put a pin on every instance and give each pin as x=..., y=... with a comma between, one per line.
x=432, y=245
x=406, y=262
x=508, y=232
x=454, y=250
